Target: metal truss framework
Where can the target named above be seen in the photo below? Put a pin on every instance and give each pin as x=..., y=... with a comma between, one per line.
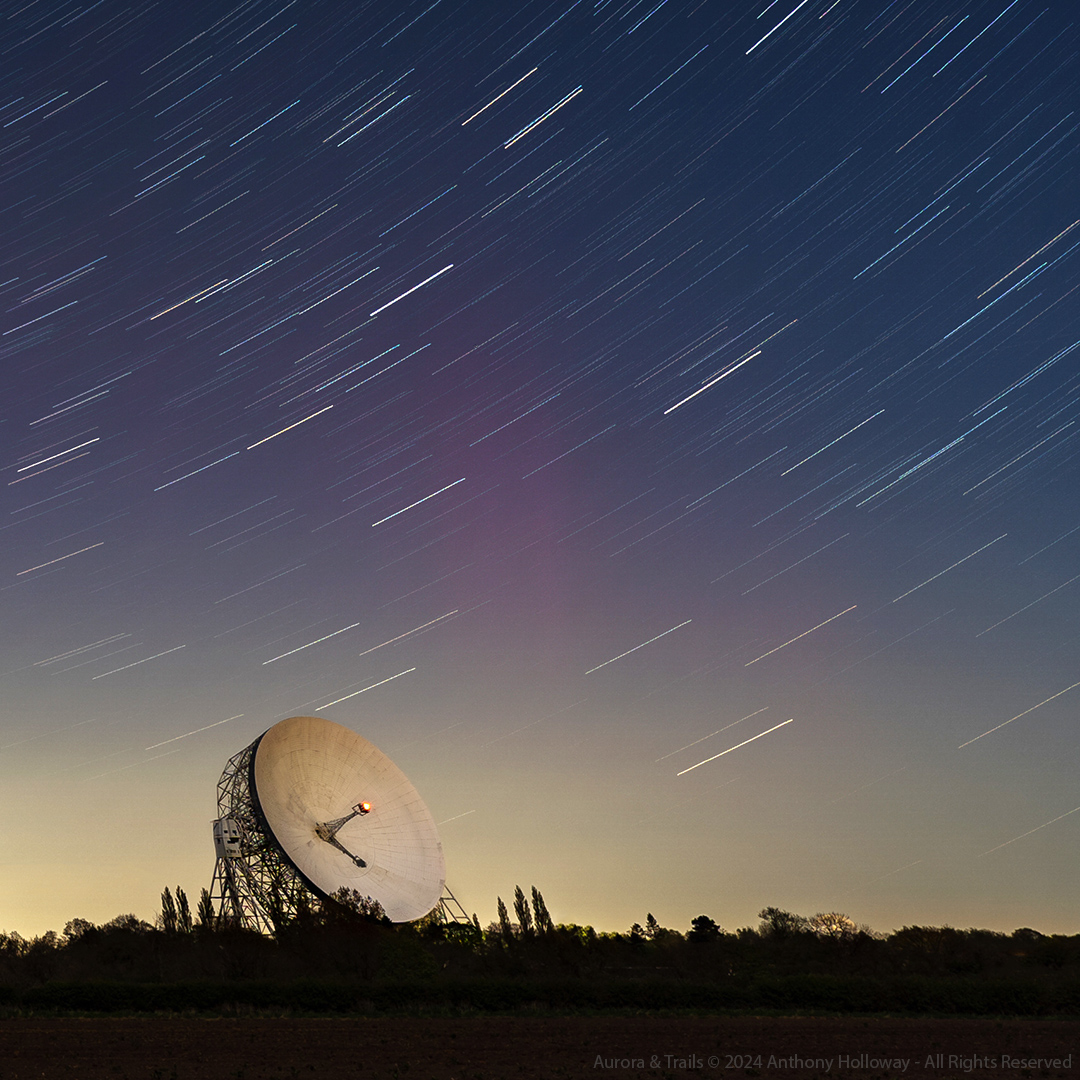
x=450, y=909
x=258, y=888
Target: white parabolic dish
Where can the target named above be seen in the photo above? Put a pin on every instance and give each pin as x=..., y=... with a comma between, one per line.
x=309, y=771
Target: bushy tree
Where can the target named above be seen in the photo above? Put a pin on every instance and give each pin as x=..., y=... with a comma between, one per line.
x=936, y=950
x=305, y=912
x=505, y=929
x=352, y=903
x=465, y=934
x=183, y=912
x=204, y=913
x=702, y=930
x=524, y=915
x=13, y=945
x=544, y=924
x=76, y=929
x=40, y=955
x=834, y=925
x=777, y=923
x=167, y=919
x=130, y=924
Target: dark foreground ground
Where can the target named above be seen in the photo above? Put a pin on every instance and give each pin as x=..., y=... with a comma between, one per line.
x=509, y=1048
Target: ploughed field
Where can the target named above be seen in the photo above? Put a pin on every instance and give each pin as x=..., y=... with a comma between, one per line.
x=508, y=1048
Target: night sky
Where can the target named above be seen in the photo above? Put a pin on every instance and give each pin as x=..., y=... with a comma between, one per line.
x=651, y=424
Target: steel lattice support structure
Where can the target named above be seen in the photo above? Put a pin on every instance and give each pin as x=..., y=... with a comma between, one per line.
x=450, y=910
x=254, y=885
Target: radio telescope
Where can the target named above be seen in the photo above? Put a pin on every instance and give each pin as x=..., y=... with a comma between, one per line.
x=311, y=807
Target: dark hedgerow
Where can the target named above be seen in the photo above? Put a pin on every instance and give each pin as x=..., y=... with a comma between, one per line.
x=797, y=994
x=343, y=957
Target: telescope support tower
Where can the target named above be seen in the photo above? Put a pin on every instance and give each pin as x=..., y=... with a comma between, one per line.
x=253, y=886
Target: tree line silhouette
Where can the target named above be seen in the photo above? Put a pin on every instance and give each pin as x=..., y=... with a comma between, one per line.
x=342, y=954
